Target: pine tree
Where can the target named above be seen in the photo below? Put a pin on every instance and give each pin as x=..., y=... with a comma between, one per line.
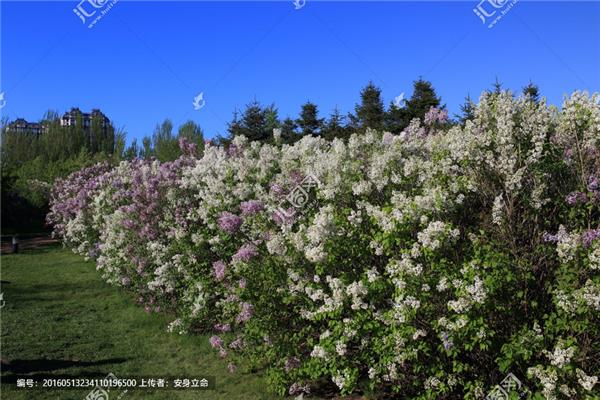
x=132, y=150
x=235, y=126
x=395, y=118
x=309, y=122
x=532, y=92
x=193, y=133
x=288, y=131
x=423, y=98
x=272, y=118
x=335, y=127
x=254, y=123
x=370, y=113
x=166, y=146
x=467, y=110
x=497, y=86
x=147, y=151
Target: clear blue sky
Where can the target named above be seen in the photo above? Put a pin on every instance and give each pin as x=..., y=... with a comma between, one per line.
x=144, y=62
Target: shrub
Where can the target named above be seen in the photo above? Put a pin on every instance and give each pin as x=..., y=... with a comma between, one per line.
x=428, y=264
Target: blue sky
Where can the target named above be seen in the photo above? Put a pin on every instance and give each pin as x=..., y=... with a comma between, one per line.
x=144, y=62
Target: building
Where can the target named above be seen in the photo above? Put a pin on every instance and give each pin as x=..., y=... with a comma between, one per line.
x=70, y=118
x=20, y=125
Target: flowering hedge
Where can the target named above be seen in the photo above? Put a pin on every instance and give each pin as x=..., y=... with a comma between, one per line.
x=425, y=265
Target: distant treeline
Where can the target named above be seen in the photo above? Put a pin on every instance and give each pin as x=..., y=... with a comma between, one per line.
x=31, y=162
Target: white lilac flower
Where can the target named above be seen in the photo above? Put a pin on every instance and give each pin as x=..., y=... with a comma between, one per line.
x=340, y=348
x=586, y=382
x=318, y=352
x=561, y=355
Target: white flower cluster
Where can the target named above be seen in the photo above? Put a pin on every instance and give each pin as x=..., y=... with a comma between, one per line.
x=407, y=244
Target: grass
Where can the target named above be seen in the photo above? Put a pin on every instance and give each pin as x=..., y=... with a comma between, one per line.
x=61, y=320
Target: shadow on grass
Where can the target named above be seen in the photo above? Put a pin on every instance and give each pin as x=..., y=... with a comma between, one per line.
x=29, y=366
x=12, y=379
x=33, y=249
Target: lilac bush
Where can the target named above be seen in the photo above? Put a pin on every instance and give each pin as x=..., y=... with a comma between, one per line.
x=424, y=265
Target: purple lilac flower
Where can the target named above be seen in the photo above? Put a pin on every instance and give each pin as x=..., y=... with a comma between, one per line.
x=229, y=222
x=223, y=353
x=245, y=314
x=446, y=340
x=233, y=151
x=222, y=327
x=237, y=344
x=148, y=309
x=593, y=183
x=216, y=342
x=219, y=268
x=157, y=309
x=246, y=252
x=298, y=388
x=128, y=224
x=435, y=115
x=284, y=216
x=297, y=177
x=548, y=237
x=125, y=281
x=231, y=298
x=277, y=189
x=291, y=363
x=589, y=236
x=576, y=197
x=251, y=207
x=187, y=148
x=242, y=283
x=388, y=138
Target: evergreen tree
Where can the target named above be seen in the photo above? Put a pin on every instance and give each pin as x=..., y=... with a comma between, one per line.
x=235, y=126
x=309, y=122
x=166, y=147
x=253, y=124
x=132, y=151
x=467, y=110
x=335, y=128
x=370, y=112
x=272, y=118
x=497, y=86
x=395, y=118
x=532, y=92
x=193, y=133
x=147, y=151
x=423, y=98
x=289, y=134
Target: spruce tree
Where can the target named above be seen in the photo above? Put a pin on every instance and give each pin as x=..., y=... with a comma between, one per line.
x=288, y=131
x=254, y=123
x=235, y=126
x=370, y=113
x=193, y=133
x=423, y=98
x=309, y=122
x=272, y=119
x=497, y=86
x=395, y=118
x=335, y=126
x=532, y=92
x=467, y=111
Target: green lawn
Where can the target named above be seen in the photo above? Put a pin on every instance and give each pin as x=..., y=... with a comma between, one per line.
x=61, y=320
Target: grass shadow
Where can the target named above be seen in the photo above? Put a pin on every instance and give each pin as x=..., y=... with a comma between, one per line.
x=36, y=365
